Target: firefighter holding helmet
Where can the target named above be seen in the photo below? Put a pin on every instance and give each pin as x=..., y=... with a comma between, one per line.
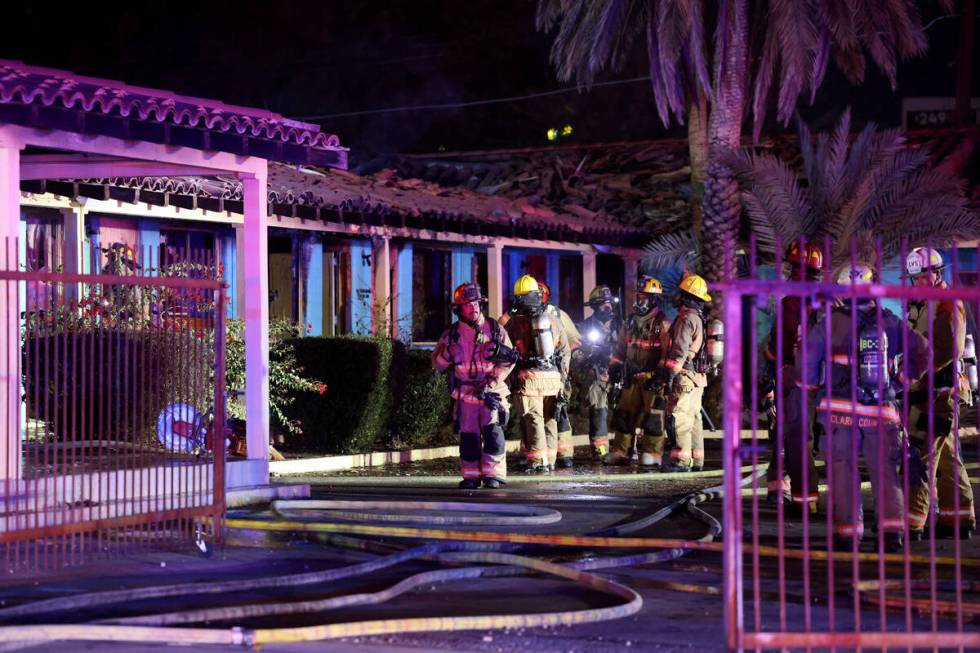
x=786, y=402
x=948, y=476
x=873, y=419
x=640, y=345
x=541, y=370
x=477, y=355
x=684, y=373
x=600, y=333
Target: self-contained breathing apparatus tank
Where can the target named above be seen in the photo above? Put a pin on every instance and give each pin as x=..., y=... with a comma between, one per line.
x=873, y=371
x=541, y=336
x=714, y=336
x=969, y=361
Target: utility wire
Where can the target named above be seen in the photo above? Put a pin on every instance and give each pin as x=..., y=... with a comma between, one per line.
x=459, y=105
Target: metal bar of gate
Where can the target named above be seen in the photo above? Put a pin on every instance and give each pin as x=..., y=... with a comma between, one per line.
x=876, y=583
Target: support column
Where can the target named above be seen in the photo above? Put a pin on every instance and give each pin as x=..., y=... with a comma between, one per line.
x=552, y=277
x=256, y=276
x=629, y=280
x=588, y=275
x=229, y=261
x=402, y=304
x=495, y=281
x=10, y=403
x=381, y=286
x=73, y=255
x=314, y=290
x=149, y=245
x=238, y=281
x=330, y=294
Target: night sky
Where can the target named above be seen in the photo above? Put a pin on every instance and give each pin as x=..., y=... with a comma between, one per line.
x=310, y=59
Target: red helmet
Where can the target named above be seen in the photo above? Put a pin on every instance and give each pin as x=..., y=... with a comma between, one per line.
x=466, y=293
x=810, y=257
x=545, y=291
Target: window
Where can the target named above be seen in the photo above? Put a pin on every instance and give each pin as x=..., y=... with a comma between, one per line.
x=431, y=293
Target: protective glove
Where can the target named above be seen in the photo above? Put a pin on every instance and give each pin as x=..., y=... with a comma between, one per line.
x=615, y=371
x=492, y=400
x=665, y=377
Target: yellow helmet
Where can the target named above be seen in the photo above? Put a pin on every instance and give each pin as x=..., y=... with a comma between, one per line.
x=525, y=285
x=860, y=274
x=695, y=285
x=650, y=286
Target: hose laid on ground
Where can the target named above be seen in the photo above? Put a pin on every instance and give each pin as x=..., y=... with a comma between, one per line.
x=868, y=590
x=501, y=514
x=238, y=636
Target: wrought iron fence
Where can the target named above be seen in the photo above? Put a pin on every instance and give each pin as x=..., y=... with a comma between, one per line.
x=114, y=407
x=850, y=389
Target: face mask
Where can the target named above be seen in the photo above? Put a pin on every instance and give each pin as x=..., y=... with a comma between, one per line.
x=643, y=305
x=605, y=314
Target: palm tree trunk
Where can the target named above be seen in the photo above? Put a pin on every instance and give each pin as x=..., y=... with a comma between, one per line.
x=697, y=145
x=721, y=196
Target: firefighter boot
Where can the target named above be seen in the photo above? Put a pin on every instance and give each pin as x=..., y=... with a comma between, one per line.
x=493, y=483
x=469, y=484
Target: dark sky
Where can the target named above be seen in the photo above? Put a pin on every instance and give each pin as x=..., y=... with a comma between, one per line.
x=305, y=59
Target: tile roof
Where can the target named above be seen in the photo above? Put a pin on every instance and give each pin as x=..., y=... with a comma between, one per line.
x=379, y=199
x=40, y=97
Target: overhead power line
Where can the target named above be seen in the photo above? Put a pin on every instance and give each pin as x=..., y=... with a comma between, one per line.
x=460, y=105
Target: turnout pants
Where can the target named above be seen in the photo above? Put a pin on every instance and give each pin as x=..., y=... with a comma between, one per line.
x=538, y=419
x=797, y=449
x=684, y=407
x=596, y=395
x=844, y=450
x=948, y=479
x=481, y=441
x=632, y=418
x=566, y=446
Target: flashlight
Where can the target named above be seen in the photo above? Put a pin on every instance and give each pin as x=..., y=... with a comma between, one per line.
x=594, y=336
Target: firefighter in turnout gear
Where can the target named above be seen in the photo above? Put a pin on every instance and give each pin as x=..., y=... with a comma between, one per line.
x=590, y=364
x=684, y=374
x=477, y=355
x=948, y=475
x=786, y=402
x=541, y=372
x=641, y=342
x=566, y=446
x=873, y=421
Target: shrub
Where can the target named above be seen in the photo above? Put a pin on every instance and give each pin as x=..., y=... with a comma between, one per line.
x=96, y=384
x=422, y=415
x=353, y=415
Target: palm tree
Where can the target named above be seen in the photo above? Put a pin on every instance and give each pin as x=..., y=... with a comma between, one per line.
x=707, y=58
x=855, y=193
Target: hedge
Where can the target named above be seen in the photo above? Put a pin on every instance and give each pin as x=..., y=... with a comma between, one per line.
x=83, y=383
x=422, y=415
x=354, y=413
x=380, y=395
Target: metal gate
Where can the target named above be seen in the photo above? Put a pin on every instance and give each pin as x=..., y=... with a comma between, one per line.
x=113, y=384
x=829, y=422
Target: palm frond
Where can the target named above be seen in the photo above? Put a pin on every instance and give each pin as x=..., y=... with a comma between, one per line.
x=669, y=257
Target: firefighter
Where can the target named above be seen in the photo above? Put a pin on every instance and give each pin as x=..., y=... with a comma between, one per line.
x=640, y=344
x=797, y=314
x=873, y=419
x=948, y=474
x=684, y=373
x=477, y=355
x=600, y=332
x=543, y=351
x=566, y=446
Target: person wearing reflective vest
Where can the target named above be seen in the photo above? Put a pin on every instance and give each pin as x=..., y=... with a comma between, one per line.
x=785, y=403
x=684, y=374
x=478, y=356
x=540, y=375
x=640, y=345
x=590, y=365
x=860, y=427
x=948, y=476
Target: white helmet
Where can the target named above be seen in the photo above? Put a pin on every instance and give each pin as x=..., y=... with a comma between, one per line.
x=858, y=274
x=923, y=259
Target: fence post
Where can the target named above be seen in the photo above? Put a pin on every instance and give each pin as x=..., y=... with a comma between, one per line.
x=731, y=461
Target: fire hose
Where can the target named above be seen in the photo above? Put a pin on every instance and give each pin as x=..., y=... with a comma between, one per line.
x=445, y=546
x=443, y=551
